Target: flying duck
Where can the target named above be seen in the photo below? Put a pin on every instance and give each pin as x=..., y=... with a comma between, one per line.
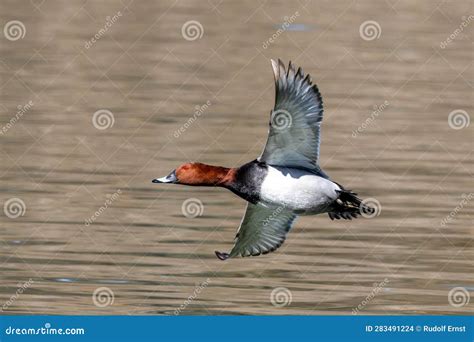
x=286, y=180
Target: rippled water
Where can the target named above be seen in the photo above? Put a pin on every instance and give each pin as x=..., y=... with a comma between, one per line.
x=141, y=251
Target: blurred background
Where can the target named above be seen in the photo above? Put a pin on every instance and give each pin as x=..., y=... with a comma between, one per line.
x=99, y=97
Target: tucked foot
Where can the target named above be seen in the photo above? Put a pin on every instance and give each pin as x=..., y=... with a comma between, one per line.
x=221, y=255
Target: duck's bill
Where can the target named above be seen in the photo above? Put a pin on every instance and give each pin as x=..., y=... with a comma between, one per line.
x=171, y=178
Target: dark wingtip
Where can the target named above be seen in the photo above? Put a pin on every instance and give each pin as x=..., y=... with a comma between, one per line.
x=222, y=256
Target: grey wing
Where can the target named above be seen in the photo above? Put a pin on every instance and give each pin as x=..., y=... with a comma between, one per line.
x=261, y=231
x=294, y=134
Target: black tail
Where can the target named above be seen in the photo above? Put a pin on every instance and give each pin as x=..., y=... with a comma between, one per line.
x=347, y=205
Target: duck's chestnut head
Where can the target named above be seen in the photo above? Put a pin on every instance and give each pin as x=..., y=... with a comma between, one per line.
x=198, y=174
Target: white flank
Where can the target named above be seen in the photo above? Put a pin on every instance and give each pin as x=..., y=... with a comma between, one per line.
x=297, y=190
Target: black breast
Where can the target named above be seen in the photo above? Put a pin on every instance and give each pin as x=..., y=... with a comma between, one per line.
x=248, y=181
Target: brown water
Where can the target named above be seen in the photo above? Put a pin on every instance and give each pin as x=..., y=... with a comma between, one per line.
x=141, y=247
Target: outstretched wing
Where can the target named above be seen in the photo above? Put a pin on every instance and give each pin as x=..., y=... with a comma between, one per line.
x=261, y=231
x=294, y=135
